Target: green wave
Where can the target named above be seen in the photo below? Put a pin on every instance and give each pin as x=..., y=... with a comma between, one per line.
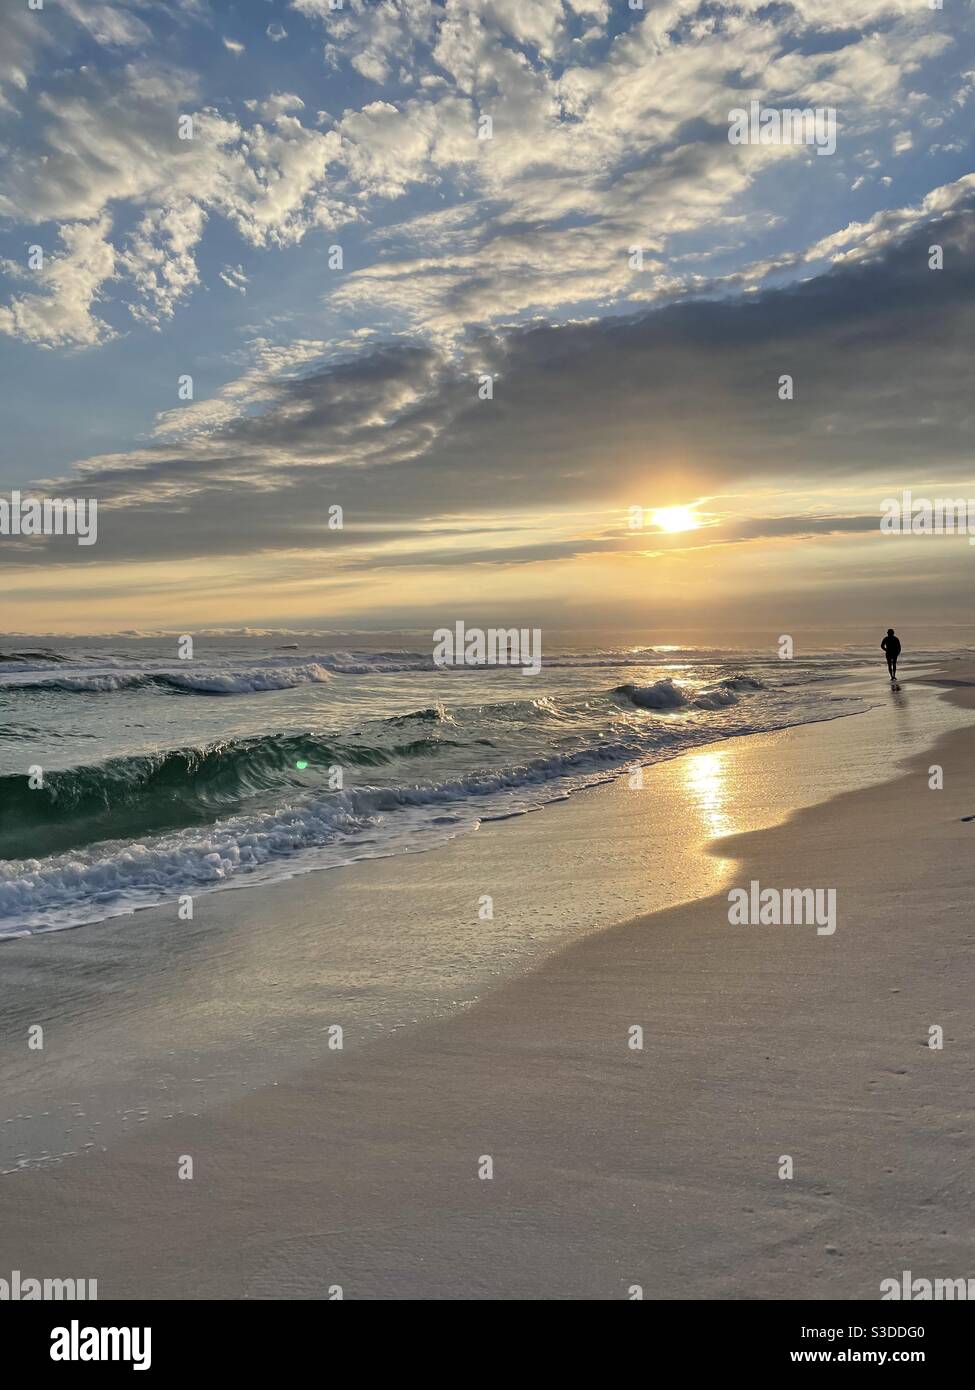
x=124, y=798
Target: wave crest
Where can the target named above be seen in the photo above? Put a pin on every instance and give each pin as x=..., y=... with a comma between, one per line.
x=148, y=793
x=240, y=682
x=662, y=695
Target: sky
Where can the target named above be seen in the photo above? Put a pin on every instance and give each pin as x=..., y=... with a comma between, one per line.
x=491, y=277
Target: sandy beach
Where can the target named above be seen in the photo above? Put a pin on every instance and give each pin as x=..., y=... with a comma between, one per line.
x=615, y=1168
x=487, y=671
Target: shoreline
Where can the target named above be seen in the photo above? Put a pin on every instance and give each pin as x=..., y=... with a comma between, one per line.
x=640, y=1152
x=167, y=1017
x=108, y=897
x=310, y=861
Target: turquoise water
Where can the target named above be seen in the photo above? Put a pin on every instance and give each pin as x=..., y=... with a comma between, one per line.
x=155, y=777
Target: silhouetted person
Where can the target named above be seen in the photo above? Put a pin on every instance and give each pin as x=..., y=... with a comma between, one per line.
x=891, y=647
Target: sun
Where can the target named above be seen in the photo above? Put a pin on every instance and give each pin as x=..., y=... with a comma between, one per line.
x=673, y=519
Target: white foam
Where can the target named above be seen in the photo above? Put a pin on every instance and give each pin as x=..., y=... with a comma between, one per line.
x=661, y=695
x=317, y=830
x=232, y=681
x=105, y=879
x=245, y=682
x=717, y=698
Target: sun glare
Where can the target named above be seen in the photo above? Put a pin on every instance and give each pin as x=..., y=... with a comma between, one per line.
x=676, y=519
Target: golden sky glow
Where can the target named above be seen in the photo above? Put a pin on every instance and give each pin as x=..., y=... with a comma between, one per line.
x=196, y=360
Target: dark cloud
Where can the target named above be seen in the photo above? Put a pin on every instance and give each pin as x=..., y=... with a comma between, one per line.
x=590, y=415
x=760, y=528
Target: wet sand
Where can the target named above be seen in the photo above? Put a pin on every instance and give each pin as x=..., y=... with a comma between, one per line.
x=613, y=1168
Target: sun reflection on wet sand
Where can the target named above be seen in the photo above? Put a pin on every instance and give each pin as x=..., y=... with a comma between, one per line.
x=706, y=778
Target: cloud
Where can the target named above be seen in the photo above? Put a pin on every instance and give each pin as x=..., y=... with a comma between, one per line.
x=594, y=150
x=787, y=527
x=587, y=419
x=109, y=137
x=234, y=278
x=370, y=65
x=107, y=24
x=589, y=159
x=159, y=259
x=232, y=46
x=597, y=10
x=275, y=105
x=61, y=312
x=373, y=39
x=861, y=240
x=106, y=139
x=25, y=36
x=259, y=387
x=115, y=138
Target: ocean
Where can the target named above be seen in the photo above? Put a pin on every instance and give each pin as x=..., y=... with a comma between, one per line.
x=130, y=777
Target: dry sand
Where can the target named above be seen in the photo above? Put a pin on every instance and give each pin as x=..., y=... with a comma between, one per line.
x=612, y=1167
